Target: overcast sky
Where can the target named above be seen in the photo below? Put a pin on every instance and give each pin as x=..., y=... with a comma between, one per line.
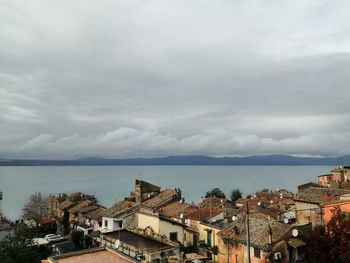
x=156, y=78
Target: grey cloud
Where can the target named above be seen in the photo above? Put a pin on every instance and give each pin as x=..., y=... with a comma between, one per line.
x=135, y=78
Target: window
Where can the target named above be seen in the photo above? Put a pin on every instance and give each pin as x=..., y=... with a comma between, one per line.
x=209, y=238
x=120, y=224
x=173, y=236
x=106, y=223
x=277, y=256
x=257, y=252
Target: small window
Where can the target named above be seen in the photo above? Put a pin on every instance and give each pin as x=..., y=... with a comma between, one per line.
x=120, y=224
x=106, y=223
x=257, y=252
x=277, y=256
x=173, y=236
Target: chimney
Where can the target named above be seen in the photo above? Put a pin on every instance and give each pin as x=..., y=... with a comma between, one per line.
x=270, y=235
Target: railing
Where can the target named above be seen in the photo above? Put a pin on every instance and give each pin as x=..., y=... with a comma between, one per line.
x=123, y=248
x=154, y=236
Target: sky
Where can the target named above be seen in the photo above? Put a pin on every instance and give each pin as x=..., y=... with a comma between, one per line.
x=129, y=78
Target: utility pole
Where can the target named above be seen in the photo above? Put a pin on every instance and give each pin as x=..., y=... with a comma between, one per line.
x=1, y=204
x=247, y=231
x=228, y=250
x=321, y=215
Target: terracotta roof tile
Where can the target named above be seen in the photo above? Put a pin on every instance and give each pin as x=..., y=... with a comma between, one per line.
x=66, y=204
x=213, y=202
x=174, y=209
x=80, y=205
x=95, y=214
x=202, y=214
x=118, y=208
x=295, y=242
x=319, y=195
x=160, y=199
x=259, y=232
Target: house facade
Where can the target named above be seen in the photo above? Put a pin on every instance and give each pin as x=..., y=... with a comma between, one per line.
x=171, y=229
x=269, y=241
x=329, y=209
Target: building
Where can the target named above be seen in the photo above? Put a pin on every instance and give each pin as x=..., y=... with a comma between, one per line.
x=330, y=207
x=337, y=176
x=171, y=229
x=146, y=198
x=325, y=179
x=309, y=203
x=208, y=238
x=144, y=191
x=69, y=210
x=268, y=241
x=139, y=245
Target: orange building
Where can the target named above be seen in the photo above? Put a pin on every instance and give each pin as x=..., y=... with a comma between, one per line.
x=340, y=174
x=329, y=208
x=325, y=179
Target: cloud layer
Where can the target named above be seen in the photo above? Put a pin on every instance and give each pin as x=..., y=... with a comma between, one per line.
x=154, y=78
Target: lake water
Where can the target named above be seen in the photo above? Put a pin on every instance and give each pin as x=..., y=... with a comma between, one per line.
x=111, y=183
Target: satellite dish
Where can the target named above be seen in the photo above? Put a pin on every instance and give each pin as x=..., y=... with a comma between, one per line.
x=234, y=218
x=117, y=244
x=295, y=232
x=181, y=215
x=259, y=203
x=286, y=221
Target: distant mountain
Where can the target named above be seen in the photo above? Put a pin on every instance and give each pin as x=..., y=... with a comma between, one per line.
x=189, y=160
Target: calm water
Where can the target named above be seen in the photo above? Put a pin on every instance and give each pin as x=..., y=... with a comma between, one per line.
x=110, y=183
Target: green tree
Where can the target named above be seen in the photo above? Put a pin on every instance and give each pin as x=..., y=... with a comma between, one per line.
x=235, y=194
x=20, y=247
x=264, y=190
x=215, y=192
x=35, y=208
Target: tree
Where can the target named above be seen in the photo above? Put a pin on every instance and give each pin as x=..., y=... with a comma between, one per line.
x=264, y=190
x=235, y=194
x=35, y=208
x=78, y=238
x=20, y=247
x=331, y=243
x=215, y=192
